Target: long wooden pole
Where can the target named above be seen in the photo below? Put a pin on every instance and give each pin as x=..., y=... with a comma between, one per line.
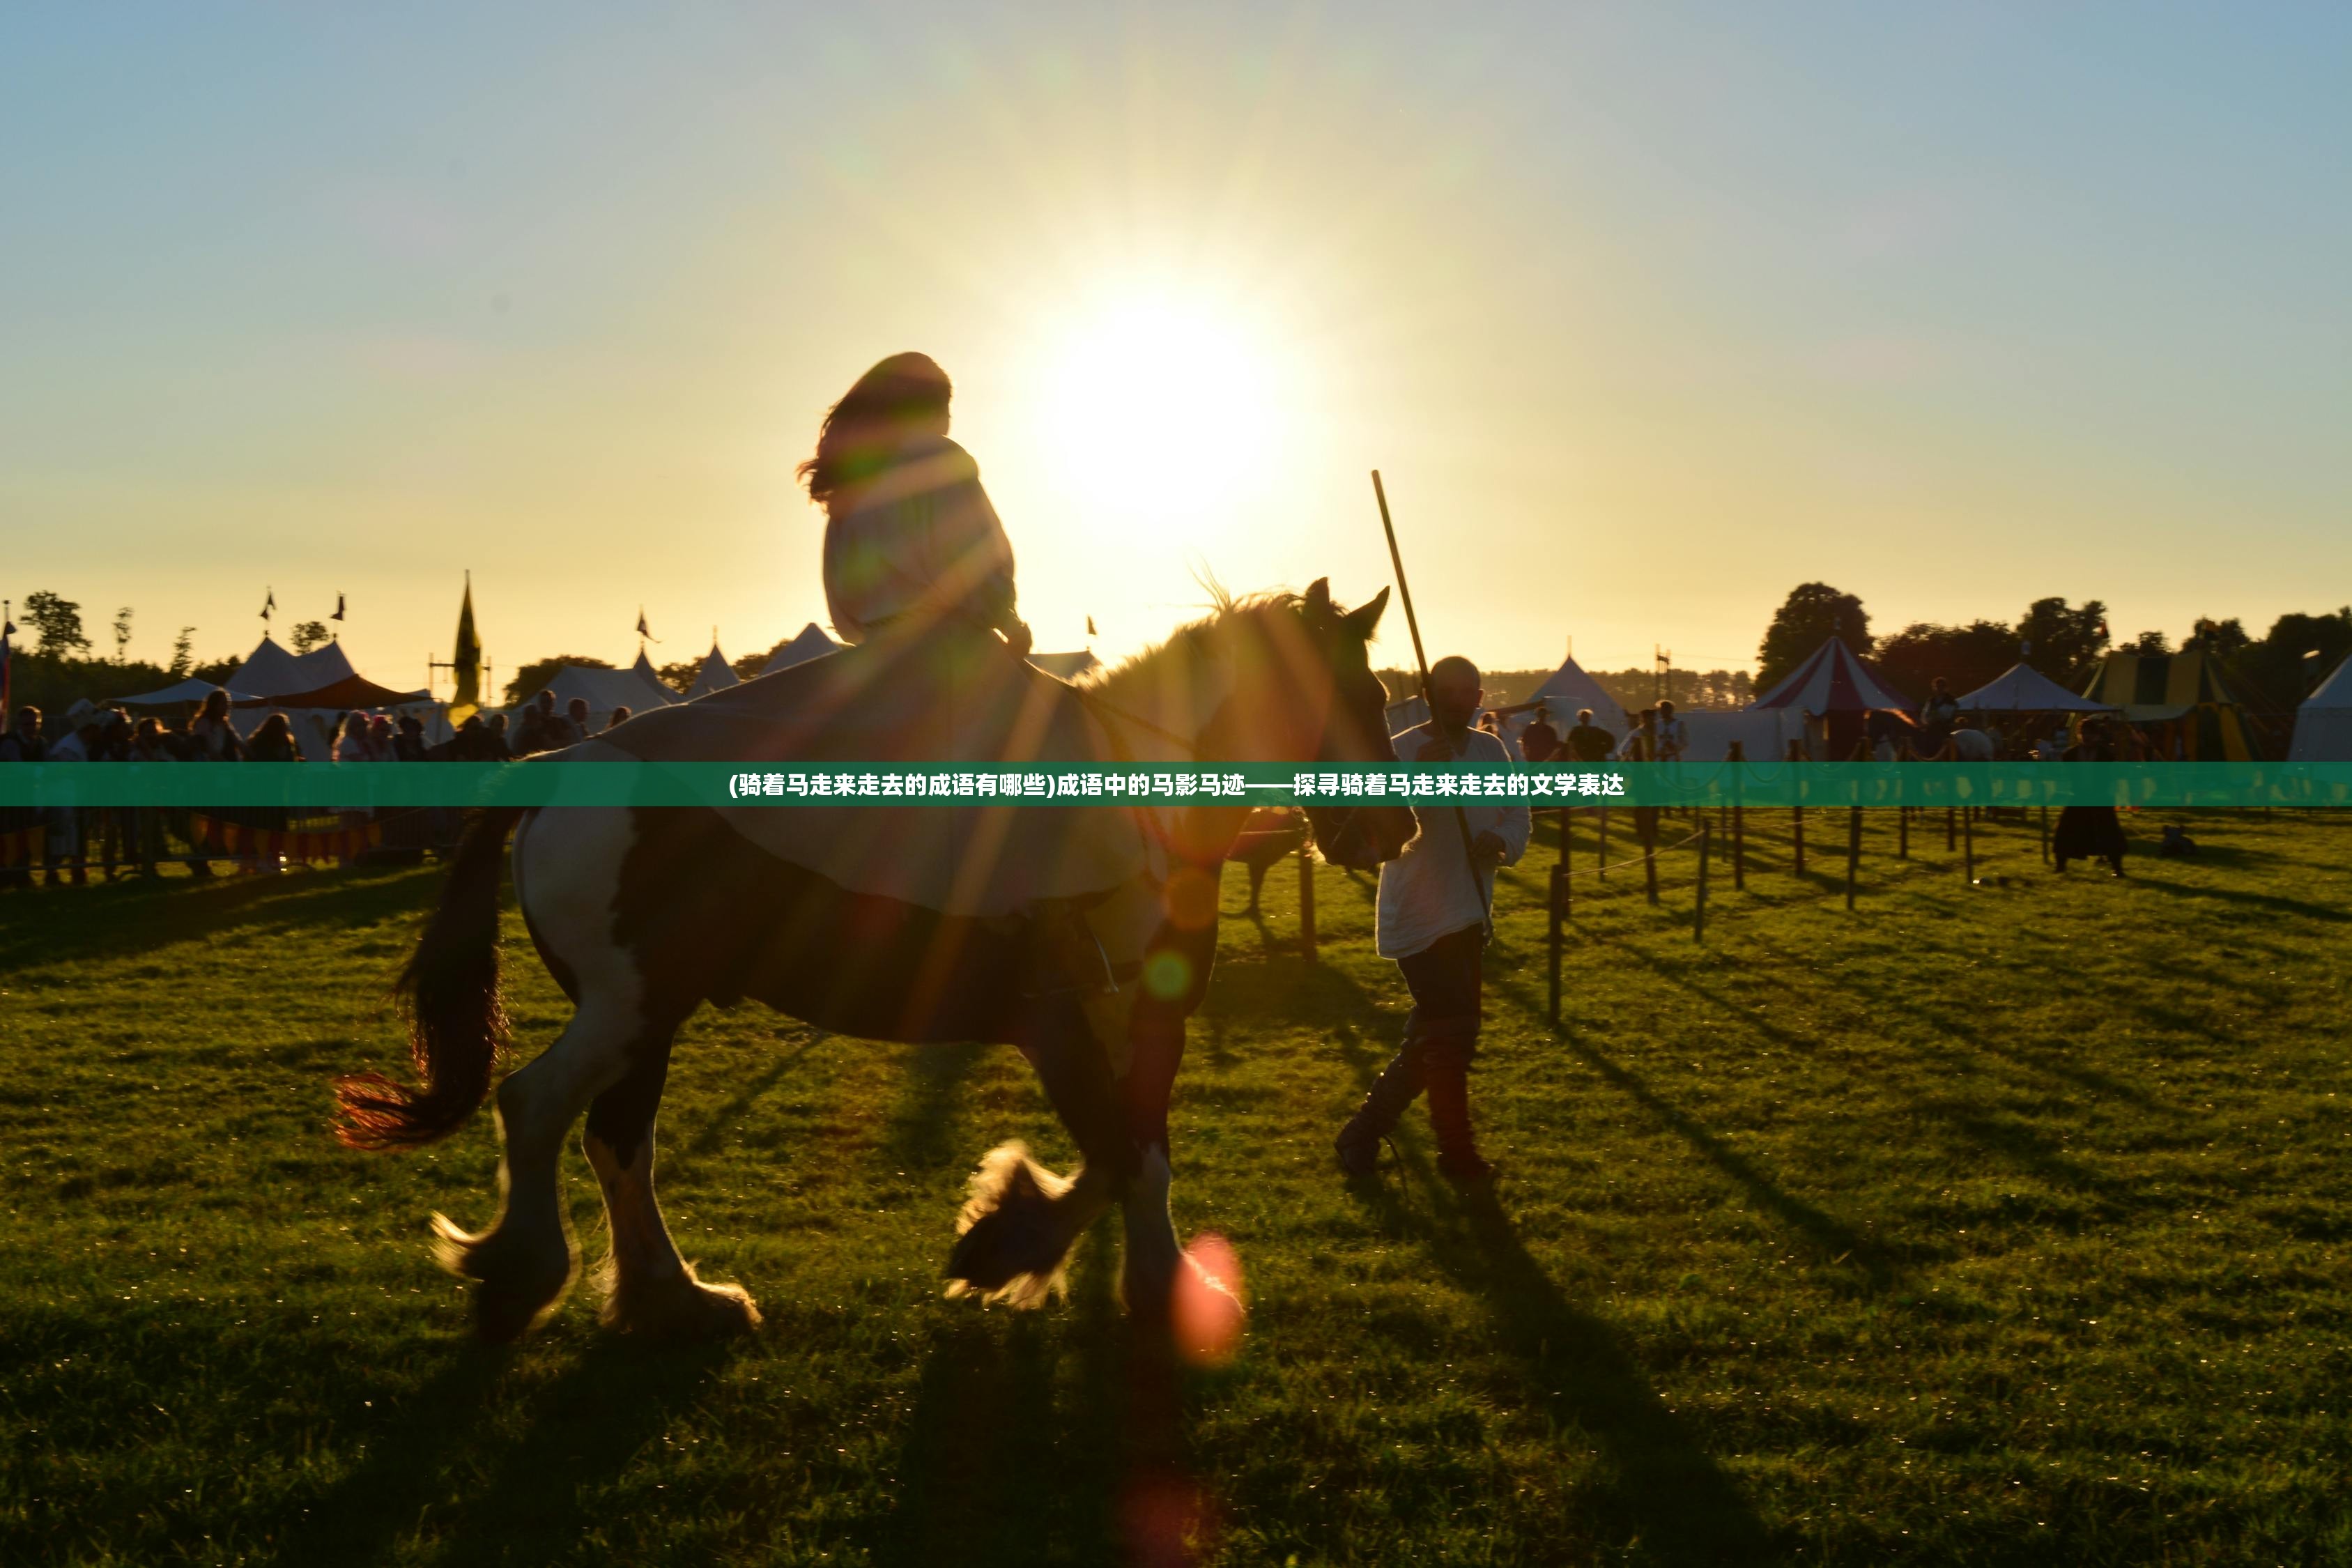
x=1429, y=699
x=1307, y=902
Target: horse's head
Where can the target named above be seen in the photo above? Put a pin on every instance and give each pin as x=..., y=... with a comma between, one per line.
x=1316, y=700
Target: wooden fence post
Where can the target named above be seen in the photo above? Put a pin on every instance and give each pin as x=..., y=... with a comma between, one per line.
x=1307, y=902
x=1951, y=830
x=1563, y=836
x=1968, y=850
x=1645, y=819
x=1698, y=913
x=1604, y=862
x=1853, y=851
x=1738, y=757
x=1903, y=833
x=1558, y=909
x=1797, y=814
x=2045, y=836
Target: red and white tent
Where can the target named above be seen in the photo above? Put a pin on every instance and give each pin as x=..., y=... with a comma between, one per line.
x=1834, y=680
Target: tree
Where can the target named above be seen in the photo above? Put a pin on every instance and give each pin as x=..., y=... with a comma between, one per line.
x=680, y=677
x=532, y=677
x=2061, y=642
x=2224, y=639
x=1966, y=657
x=1811, y=614
x=2149, y=645
x=183, y=653
x=2278, y=672
x=57, y=623
x=309, y=635
x=123, y=635
x=752, y=665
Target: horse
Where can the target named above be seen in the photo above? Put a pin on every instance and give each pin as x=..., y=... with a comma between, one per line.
x=641, y=915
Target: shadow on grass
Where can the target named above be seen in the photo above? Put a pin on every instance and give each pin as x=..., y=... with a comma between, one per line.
x=2267, y=903
x=996, y=1467
x=80, y=925
x=936, y=1075
x=1661, y=1496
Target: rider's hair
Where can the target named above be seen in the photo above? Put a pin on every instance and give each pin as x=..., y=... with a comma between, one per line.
x=905, y=392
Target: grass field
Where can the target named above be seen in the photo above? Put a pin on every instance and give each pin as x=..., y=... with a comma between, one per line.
x=1998, y=1224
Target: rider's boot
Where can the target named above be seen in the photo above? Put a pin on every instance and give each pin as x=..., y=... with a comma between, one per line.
x=1399, y=1085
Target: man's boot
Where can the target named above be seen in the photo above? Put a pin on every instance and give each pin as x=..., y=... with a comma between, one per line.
x=1459, y=1159
x=1399, y=1085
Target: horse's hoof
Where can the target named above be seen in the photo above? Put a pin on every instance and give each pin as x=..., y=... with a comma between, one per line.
x=682, y=1308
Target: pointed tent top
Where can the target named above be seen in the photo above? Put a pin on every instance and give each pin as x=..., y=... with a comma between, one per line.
x=1568, y=687
x=2335, y=691
x=809, y=643
x=2021, y=689
x=1834, y=680
x=268, y=671
x=716, y=674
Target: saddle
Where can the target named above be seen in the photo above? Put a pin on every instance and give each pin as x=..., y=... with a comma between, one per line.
x=954, y=696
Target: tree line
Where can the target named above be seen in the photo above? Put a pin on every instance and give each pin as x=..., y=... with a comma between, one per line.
x=2270, y=674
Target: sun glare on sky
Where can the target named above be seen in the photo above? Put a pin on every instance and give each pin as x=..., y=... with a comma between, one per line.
x=1166, y=403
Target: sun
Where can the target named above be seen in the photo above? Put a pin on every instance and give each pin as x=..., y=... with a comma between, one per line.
x=1165, y=405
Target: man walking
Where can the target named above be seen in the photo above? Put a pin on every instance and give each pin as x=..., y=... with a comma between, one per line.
x=1539, y=742
x=1433, y=922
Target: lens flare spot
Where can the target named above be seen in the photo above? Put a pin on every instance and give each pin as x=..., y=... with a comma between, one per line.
x=1207, y=1311
x=1190, y=898
x=1168, y=975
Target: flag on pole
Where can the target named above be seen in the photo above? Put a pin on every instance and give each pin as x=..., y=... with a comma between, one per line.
x=466, y=663
x=7, y=657
x=338, y=608
x=1090, y=627
x=642, y=630
x=270, y=604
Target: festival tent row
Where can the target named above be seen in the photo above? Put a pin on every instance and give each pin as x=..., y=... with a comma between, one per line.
x=2323, y=725
x=2179, y=701
x=1839, y=690
x=312, y=690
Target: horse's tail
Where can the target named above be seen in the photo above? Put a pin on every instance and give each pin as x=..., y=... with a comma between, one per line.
x=457, y=1023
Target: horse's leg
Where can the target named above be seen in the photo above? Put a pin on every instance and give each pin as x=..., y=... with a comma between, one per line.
x=522, y=1264
x=1153, y=1255
x=1022, y=1219
x=564, y=880
x=649, y=1288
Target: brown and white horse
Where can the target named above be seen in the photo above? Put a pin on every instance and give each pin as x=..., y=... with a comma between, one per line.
x=642, y=915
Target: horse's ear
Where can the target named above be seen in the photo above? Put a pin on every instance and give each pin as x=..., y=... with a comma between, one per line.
x=1364, y=619
x=1319, y=595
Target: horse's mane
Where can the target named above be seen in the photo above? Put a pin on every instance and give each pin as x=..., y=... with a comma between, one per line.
x=1193, y=638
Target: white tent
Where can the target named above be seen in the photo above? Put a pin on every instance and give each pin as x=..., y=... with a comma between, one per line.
x=270, y=671
x=189, y=691
x=637, y=688
x=809, y=643
x=1567, y=689
x=2323, y=725
x=2023, y=689
x=716, y=675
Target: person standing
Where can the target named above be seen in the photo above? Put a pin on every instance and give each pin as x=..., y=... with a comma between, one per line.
x=1432, y=922
x=2088, y=832
x=1588, y=742
x=1539, y=742
x=1668, y=734
x=23, y=743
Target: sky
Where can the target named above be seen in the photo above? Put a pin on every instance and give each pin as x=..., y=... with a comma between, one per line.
x=1646, y=312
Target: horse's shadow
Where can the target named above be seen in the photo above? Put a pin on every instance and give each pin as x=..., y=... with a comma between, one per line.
x=1021, y=1445
x=524, y=1501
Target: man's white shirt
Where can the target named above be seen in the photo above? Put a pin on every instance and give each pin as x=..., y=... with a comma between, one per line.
x=1426, y=892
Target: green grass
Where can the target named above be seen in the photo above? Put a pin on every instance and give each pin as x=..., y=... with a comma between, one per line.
x=1998, y=1224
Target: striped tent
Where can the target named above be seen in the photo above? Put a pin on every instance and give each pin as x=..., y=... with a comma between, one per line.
x=1834, y=680
x=1839, y=690
x=2182, y=698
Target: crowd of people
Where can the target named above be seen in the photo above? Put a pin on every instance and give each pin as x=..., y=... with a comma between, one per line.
x=124, y=840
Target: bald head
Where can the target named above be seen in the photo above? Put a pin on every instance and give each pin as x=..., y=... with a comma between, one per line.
x=1453, y=691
